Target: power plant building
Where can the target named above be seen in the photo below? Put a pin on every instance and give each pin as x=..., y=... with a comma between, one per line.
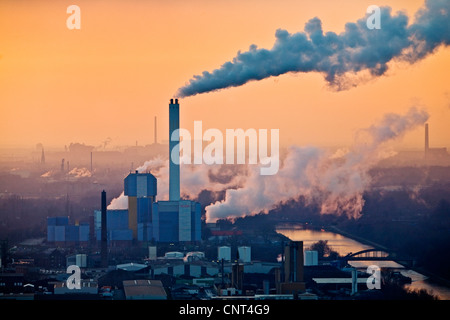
x=147, y=219
x=178, y=220
x=140, y=188
x=116, y=226
x=60, y=231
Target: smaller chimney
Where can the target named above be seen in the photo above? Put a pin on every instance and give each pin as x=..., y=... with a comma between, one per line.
x=104, y=234
x=42, y=156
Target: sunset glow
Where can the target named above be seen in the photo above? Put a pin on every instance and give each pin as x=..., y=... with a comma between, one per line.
x=111, y=77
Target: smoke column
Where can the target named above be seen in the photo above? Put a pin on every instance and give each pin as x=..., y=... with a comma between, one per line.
x=339, y=57
x=194, y=179
x=336, y=185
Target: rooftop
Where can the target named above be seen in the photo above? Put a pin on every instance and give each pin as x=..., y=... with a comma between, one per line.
x=144, y=289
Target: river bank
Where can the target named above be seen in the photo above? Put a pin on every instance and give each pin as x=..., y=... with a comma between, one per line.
x=344, y=243
x=433, y=277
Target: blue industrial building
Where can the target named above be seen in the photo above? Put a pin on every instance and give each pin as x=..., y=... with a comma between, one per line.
x=60, y=231
x=145, y=219
x=116, y=224
x=150, y=220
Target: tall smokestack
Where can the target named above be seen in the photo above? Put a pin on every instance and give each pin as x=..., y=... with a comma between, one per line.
x=174, y=140
x=156, y=140
x=427, y=142
x=104, y=248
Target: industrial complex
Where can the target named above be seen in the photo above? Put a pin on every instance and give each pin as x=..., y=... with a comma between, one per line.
x=162, y=250
x=146, y=219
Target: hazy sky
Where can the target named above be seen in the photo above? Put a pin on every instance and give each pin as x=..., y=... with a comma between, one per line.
x=111, y=77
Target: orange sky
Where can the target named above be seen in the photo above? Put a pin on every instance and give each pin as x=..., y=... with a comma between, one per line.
x=112, y=77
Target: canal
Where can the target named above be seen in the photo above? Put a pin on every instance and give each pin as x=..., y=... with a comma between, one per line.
x=344, y=245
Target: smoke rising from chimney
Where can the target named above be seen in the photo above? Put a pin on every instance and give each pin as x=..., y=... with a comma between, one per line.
x=336, y=185
x=335, y=182
x=342, y=58
x=194, y=179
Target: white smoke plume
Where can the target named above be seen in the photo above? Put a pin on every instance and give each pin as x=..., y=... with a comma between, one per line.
x=79, y=173
x=344, y=59
x=156, y=166
x=194, y=179
x=335, y=181
x=119, y=203
x=337, y=185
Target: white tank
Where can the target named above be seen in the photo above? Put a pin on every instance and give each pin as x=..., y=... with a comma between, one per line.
x=224, y=253
x=245, y=254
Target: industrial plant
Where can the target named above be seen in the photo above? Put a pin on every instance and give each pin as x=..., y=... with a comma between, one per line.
x=145, y=220
x=142, y=240
x=163, y=249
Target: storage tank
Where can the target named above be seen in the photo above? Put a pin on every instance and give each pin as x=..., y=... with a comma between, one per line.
x=152, y=252
x=224, y=253
x=245, y=254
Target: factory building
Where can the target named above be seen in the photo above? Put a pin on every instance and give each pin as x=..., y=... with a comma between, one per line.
x=140, y=188
x=59, y=231
x=147, y=219
x=118, y=232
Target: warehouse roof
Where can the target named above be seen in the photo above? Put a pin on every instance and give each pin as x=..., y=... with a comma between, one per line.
x=144, y=289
